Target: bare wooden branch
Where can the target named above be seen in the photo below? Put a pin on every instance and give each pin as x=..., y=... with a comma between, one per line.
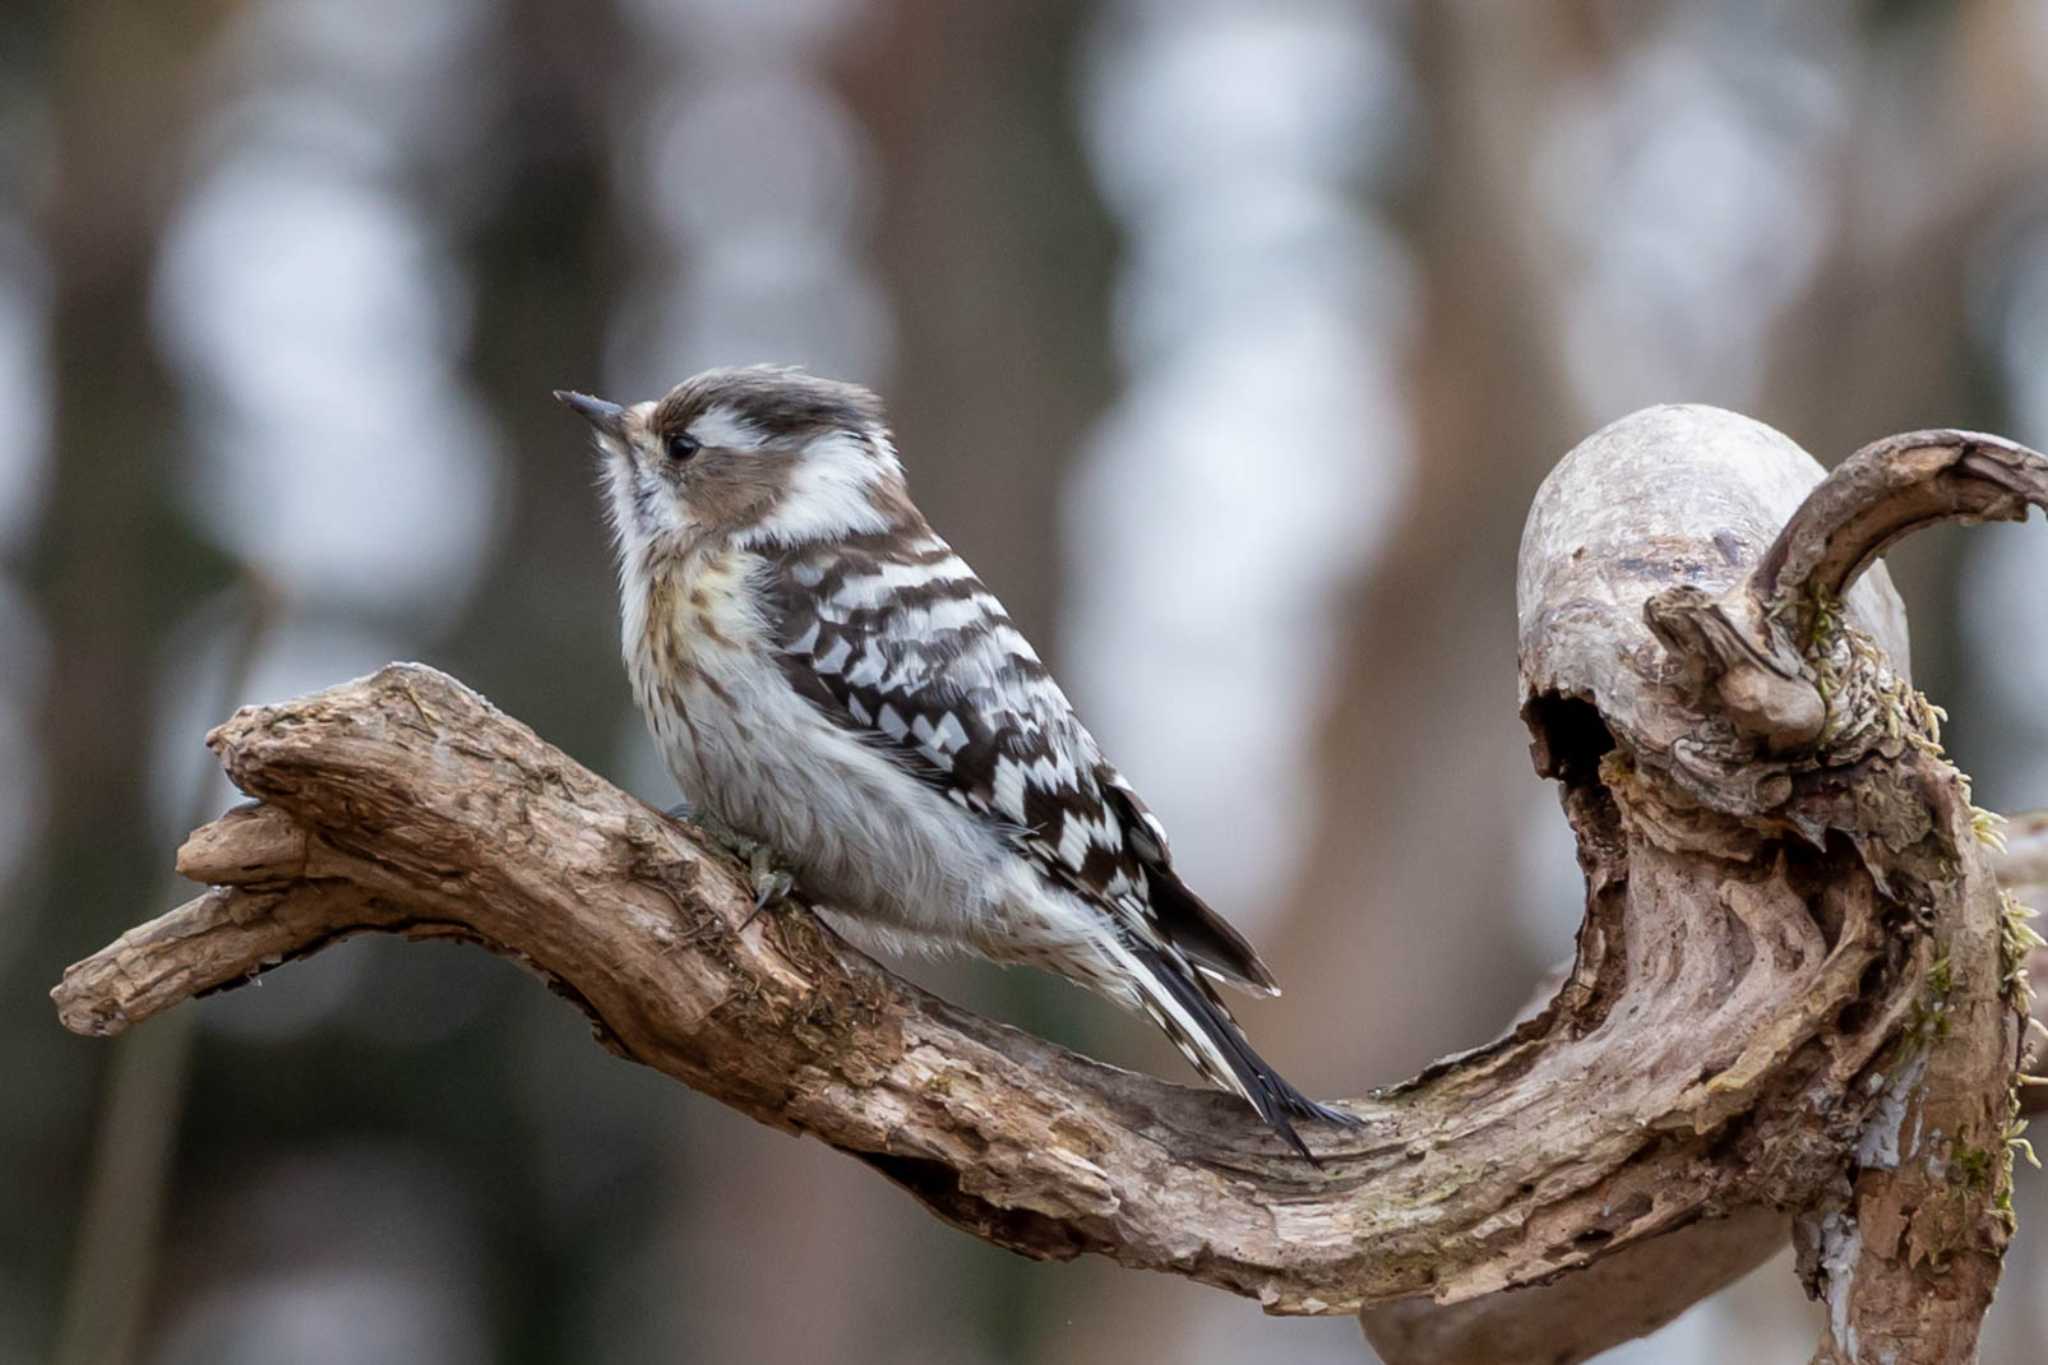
x=1631, y=1294
x=1772, y=913
x=1798, y=700
x=1886, y=491
x=1727, y=717
x=405, y=803
x=1908, y=1256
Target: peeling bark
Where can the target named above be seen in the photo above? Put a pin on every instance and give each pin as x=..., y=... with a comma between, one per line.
x=1789, y=977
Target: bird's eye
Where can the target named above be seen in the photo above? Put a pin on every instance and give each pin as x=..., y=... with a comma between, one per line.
x=682, y=446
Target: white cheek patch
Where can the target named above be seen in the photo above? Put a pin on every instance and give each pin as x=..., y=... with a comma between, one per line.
x=830, y=495
x=721, y=428
x=627, y=508
x=641, y=507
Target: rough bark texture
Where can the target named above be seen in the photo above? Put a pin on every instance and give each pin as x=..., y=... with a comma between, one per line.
x=1640, y=1288
x=1791, y=990
x=1777, y=735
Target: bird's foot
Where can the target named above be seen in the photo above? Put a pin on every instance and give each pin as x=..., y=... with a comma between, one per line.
x=770, y=877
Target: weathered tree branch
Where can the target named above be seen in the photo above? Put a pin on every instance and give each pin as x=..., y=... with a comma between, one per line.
x=405, y=803
x=1640, y=1288
x=1819, y=723
x=1772, y=903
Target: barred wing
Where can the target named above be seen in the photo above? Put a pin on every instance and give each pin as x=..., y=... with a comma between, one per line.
x=894, y=638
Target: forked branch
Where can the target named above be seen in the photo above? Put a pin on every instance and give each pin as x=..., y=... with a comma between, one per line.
x=1764, y=925
x=405, y=803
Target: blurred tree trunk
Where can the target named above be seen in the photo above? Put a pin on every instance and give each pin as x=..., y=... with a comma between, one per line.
x=1948, y=123
x=998, y=272
x=546, y=250
x=116, y=563
x=531, y=210
x=116, y=568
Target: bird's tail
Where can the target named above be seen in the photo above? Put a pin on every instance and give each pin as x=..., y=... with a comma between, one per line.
x=1188, y=1009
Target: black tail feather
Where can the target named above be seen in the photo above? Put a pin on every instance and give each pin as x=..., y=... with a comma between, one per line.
x=1221, y=1053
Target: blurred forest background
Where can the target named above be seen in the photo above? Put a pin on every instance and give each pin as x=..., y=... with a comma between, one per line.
x=1229, y=340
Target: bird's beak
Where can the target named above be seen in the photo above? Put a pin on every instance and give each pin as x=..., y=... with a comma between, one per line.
x=608, y=418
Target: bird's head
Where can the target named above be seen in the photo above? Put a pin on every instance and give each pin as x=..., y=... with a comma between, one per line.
x=757, y=457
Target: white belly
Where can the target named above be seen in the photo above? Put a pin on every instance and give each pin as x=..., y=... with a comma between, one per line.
x=905, y=866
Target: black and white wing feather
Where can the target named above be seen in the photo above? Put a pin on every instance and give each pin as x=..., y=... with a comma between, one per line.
x=894, y=638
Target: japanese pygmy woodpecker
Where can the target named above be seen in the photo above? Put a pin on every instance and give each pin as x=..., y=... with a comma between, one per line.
x=825, y=676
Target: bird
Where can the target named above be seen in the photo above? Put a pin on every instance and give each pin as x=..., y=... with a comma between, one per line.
x=838, y=696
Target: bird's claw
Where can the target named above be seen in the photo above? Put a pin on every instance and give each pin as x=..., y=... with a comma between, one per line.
x=771, y=881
